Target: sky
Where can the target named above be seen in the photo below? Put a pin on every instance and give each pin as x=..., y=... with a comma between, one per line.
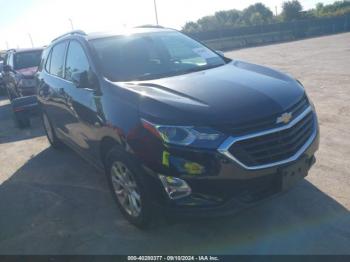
x=44, y=20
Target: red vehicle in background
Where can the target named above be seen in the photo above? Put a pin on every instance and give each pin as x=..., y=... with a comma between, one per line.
x=20, y=66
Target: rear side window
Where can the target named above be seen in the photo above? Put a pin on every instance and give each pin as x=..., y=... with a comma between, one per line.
x=77, y=61
x=57, y=59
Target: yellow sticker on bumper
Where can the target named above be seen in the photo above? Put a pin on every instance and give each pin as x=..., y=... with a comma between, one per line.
x=165, y=160
x=193, y=168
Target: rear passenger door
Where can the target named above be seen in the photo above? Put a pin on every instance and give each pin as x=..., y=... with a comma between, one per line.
x=53, y=90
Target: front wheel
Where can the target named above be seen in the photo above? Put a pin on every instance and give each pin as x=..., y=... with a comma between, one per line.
x=129, y=189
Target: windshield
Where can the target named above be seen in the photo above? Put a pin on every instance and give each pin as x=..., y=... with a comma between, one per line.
x=152, y=55
x=27, y=59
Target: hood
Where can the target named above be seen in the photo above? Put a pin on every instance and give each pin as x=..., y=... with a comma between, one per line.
x=30, y=71
x=235, y=93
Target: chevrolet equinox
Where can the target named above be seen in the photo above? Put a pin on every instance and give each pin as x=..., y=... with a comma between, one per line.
x=179, y=129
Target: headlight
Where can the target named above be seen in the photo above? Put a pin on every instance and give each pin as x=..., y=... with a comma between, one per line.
x=186, y=135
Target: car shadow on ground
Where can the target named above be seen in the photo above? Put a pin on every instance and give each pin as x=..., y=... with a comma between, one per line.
x=9, y=132
x=58, y=204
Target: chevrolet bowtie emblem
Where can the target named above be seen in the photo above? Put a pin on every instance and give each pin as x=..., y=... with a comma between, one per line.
x=284, y=118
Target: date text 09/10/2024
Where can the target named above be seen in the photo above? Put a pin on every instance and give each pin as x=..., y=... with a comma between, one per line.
x=173, y=258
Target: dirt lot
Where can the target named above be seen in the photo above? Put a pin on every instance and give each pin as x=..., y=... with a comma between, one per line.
x=54, y=203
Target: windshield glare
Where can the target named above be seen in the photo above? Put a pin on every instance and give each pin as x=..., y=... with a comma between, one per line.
x=152, y=55
x=27, y=59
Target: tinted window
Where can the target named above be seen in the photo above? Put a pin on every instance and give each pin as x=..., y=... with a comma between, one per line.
x=77, y=61
x=152, y=55
x=57, y=59
x=27, y=59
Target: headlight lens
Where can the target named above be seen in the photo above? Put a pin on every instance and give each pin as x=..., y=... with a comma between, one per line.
x=186, y=135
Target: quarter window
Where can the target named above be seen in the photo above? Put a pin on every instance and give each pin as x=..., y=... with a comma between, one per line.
x=77, y=61
x=57, y=59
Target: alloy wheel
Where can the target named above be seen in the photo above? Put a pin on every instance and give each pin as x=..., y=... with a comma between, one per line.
x=126, y=189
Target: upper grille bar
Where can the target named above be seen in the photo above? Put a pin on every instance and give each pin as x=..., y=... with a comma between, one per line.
x=225, y=146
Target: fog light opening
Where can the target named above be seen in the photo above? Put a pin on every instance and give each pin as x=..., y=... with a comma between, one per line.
x=176, y=188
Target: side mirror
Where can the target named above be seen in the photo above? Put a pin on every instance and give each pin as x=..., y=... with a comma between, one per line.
x=7, y=68
x=81, y=79
x=220, y=53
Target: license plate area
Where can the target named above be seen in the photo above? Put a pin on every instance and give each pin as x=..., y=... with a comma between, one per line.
x=292, y=174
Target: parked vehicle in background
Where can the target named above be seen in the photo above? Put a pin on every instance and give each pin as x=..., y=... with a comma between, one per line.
x=179, y=129
x=19, y=68
x=2, y=87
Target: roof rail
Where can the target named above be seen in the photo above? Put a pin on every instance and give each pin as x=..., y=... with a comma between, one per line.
x=149, y=26
x=74, y=32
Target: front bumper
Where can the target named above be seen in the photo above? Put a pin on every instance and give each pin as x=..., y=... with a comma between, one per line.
x=226, y=187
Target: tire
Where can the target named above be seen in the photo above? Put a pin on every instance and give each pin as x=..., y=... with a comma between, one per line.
x=142, y=217
x=50, y=132
x=22, y=120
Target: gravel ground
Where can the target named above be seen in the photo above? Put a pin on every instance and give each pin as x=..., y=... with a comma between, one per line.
x=52, y=202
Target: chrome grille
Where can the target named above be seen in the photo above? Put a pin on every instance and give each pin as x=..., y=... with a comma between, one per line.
x=272, y=147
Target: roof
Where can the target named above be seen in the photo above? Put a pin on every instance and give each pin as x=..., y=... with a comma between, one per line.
x=128, y=31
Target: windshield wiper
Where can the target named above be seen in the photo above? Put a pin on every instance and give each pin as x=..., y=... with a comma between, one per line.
x=200, y=68
x=149, y=76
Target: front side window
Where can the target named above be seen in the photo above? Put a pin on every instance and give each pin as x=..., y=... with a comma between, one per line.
x=77, y=61
x=27, y=59
x=57, y=59
x=152, y=55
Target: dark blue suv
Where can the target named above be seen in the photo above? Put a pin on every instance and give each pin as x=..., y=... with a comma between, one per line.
x=179, y=129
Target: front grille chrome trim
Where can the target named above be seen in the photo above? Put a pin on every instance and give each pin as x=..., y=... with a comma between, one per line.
x=224, y=148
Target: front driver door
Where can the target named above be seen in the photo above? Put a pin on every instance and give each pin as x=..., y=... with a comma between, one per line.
x=82, y=102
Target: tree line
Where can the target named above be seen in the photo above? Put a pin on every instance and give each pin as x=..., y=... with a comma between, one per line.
x=259, y=14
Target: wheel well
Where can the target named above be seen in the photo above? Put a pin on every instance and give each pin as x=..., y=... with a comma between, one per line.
x=106, y=145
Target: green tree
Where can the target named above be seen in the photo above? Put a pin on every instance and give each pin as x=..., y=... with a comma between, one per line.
x=337, y=8
x=191, y=27
x=222, y=18
x=257, y=14
x=291, y=10
x=230, y=18
x=234, y=17
x=208, y=23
